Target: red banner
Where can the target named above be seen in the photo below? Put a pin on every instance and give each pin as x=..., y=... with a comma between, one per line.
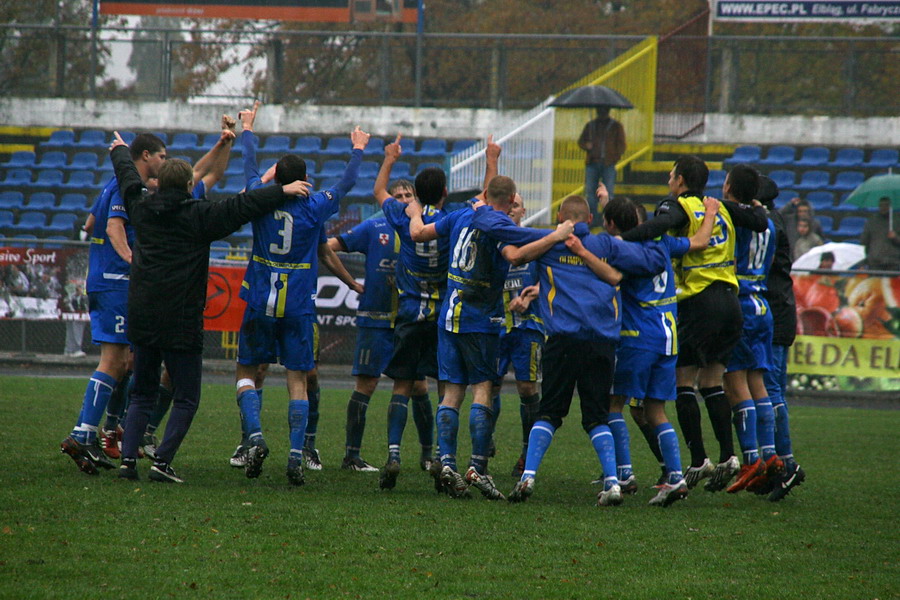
x=224, y=307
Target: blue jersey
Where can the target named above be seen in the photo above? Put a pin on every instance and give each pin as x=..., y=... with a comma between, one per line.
x=753, y=254
x=107, y=271
x=422, y=268
x=649, y=305
x=282, y=275
x=518, y=278
x=574, y=302
x=248, y=154
x=377, y=240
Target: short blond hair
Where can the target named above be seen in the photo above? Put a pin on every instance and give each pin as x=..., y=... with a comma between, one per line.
x=575, y=209
x=175, y=174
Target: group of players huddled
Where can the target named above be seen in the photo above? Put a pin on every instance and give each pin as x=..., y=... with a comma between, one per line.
x=639, y=315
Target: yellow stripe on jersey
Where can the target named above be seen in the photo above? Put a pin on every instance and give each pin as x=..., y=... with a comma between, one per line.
x=96, y=240
x=282, y=265
x=282, y=295
x=551, y=295
x=630, y=333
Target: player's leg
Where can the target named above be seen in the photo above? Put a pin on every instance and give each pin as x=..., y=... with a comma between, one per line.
x=423, y=417
x=111, y=433
x=622, y=441
x=674, y=487
x=479, y=352
x=636, y=408
x=186, y=372
x=297, y=337
x=373, y=349
x=257, y=345
x=776, y=385
x=143, y=398
x=744, y=418
x=526, y=358
x=310, y=452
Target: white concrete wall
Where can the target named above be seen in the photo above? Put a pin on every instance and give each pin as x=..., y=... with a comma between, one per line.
x=421, y=122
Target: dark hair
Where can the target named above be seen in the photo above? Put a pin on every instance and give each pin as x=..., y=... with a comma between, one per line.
x=290, y=168
x=430, y=185
x=768, y=191
x=642, y=213
x=694, y=171
x=145, y=141
x=175, y=174
x=500, y=187
x=827, y=256
x=400, y=183
x=622, y=212
x=743, y=183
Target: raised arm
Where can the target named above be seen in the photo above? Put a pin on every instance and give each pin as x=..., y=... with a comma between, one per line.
x=753, y=217
x=333, y=263
x=391, y=154
x=668, y=216
x=491, y=166
x=360, y=139
x=418, y=230
x=601, y=268
x=210, y=167
x=519, y=255
x=700, y=240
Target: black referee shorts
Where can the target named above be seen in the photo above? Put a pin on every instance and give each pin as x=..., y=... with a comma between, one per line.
x=415, y=351
x=709, y=326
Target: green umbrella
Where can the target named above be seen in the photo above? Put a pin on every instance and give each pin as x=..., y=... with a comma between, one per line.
x=872, y=190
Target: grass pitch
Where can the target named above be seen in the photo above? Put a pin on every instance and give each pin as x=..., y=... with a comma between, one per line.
x=64, y=534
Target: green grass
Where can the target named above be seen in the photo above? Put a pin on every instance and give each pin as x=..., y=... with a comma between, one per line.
x=67, y=535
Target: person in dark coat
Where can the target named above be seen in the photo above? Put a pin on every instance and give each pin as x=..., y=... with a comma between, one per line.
x=167, y=291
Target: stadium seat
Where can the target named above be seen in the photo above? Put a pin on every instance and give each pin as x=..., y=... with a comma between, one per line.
x=41, y=201
x=29, y=222
x=368, y=169
x=713, y=191
x=235, y=167
x=337, y=146
x=209, y=140
x=815, y=156
x=375, y=147
x=779, y=155
x=276, y=144
x=783, y=178
x=54, y=238
x=813, y=180
x=328, y=182
x=716, y=178
x=55, y=159
x=408, y=147
x=883, y=158
x=847, y=181
x=820, y=200
x=61, y=138
x=25, y=240
x=17, y=177
x=332, y=168
x=80, y=180
x=826, y=222
x=784, y=196
x=92, y=138
x=401, y=170
x=231, y=186
x=433, y=148
x=83, y=161
x=428, y=165
x=12, y=200
x=23, y=159
x=243, y=235
x=73, y=202
x=460, y=145
x=48, y=178
x=266, y=164
x=850, y=227
x=6, y=219
x=128, y=136
x=219, y=249
x=308, y=145
x=744, y=154
x=163, y=136
x=362, y=188
x=62, y=223
x=847, y=157
x=182, y=142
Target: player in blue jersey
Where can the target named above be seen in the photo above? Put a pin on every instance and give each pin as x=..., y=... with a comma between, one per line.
x=107, y=287
x=280, y=288
x=484, y=241
x=754, y=420
x=521, y=341
x=646, y=355
x=581, y=313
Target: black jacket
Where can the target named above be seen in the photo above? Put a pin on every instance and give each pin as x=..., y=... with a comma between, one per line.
x=170, y=263
x=780, y=294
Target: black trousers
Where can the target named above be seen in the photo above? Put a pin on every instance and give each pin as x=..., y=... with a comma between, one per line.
x=185, y=372
x=570, y=362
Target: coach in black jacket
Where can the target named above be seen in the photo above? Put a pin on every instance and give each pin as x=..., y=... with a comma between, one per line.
x=167, y=292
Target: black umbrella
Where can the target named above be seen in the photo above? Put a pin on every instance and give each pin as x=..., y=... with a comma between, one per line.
x=591, y=96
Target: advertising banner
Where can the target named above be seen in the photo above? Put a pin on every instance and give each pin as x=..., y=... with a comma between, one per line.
x=315, y=11
x=846, y=11
x=41, y=283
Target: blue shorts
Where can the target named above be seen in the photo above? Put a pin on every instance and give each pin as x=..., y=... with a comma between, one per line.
x=467, y=358
x=521, y=348
x=644, y=374
x=109, y=317
x=754, y=350
x=266, y=340
x=374, y=348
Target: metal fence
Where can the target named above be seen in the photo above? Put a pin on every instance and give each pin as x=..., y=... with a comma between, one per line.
x=758, y=75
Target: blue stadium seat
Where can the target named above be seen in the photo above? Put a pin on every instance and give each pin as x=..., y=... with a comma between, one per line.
x=12, y=200
x=332, y=168
x=714, y=191
x=209, y=140
x=6, y=219
x=41, y=201
x=48, y=178
x=128, y=136
x=308, y=145
x=779, y=155
x=368, y=169
x=783, y=178
x=337, y=146
x=375, y=147
x=820, y=200
x=73, y=202
x=83, y=161
x=163, y=136
x=847, y=181
x=26, y=240
x=219, y=249
x=276, y=144
x=328, y=182
x=433, y=148
x=815, y=156
x=813, y=180
x=460, y=145
x=61, y=138
x=427, y=165
x=23, y=159
x=408, y=147
x=826, y=222
x=850, y=227
x=62, y=223
x=265, y=164
x=784, y=196
x=55, y=159
x=848, y=157
x=401, y=170
x=231, y=185
x=243, y=235
x=92, y=138
x=362, y=188
x=744, y=154
x=183, y=142
x=79, y=180
x=716, y=178
x=17, y=177
x=29, y=222
x=883, y=158
x=54, y=238
x=235, y=167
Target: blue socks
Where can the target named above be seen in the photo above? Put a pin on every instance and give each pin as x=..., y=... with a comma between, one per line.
x=397, y=413
x=250, y=408
x=668, y=447
x=604, y=446
x=447, y=429
x=782, y=430
x=481, y=427
x=298, y=414
x=765, y=428
x=96, y=397
x=538, y=442
x=744, y=418
x=622, y=442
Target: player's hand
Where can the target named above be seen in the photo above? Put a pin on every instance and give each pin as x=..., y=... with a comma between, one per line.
x=602, y=195
x=517, y=305
x=359, y=138
x=711, y=205
x=117, y=141
x=228, y=123
x=248, y=116
x=227, y=136
x=414, y=209
x=564, y=230
x=492, y=151
x=393, y=149
x=531, y=292
x=573, y=243
x=297, y=188
x=358, y=288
